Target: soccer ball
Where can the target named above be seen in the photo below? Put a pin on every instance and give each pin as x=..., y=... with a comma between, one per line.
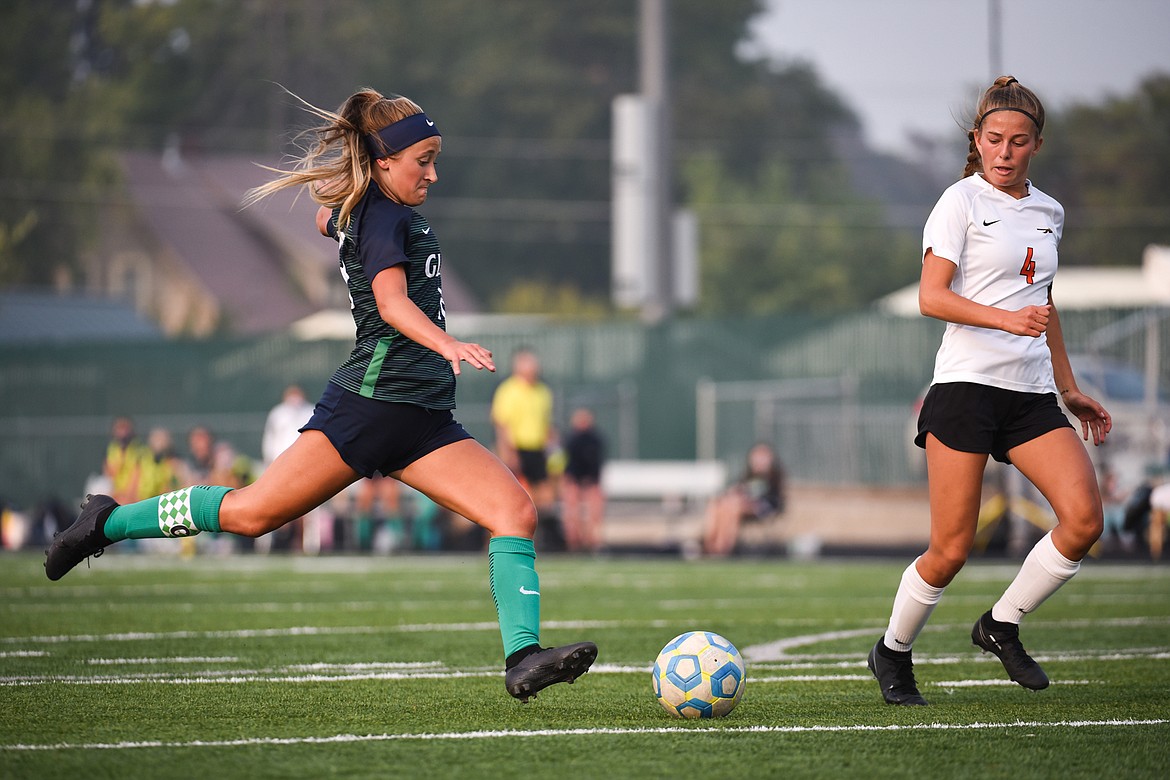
x=699, y=674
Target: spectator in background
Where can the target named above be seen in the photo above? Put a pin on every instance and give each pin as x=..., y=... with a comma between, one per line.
x=284, y=422
x=230, y=468
x=281, y=428
x=582, y=502
x=377, y=512
x=123, y=461
x=161, y=469
x=522, y=410
x=758, y=495
x=1159, y=515
x=200, y=456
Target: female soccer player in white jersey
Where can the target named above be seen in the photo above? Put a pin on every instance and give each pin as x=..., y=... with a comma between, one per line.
x=989, y=258
x=388, y=408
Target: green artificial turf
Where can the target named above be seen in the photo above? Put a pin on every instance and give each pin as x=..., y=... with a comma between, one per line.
x=146, y=666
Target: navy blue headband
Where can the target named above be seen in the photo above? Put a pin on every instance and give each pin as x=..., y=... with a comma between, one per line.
x=393, y=138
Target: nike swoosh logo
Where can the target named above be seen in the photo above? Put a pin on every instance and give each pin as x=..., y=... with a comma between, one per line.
x=526, y=592
x=428, y=230
x=429, y=123
x=992, y=222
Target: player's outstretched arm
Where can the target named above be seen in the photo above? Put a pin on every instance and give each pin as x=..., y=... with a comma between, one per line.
x=408, y=319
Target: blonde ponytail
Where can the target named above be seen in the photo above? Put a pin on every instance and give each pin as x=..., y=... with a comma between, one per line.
x=336, y=168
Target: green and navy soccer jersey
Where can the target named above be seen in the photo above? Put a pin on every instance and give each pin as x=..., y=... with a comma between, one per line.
x=385, y=364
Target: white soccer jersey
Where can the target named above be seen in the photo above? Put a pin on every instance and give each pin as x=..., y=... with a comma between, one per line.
x=1005, y=252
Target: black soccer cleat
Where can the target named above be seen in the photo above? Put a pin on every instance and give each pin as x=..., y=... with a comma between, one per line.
x=1003, y=641
x=895, y=674
x=547, y=667
x=80, y=540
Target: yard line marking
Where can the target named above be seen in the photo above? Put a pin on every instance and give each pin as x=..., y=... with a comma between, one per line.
x=1005, y=683
x=810, y=678
x=251, y=633
x=844, y=662
x=236, y=677
x=23, y=654
x=401, y=671
x=580, y=732
x=223, y=659
x=777, y=650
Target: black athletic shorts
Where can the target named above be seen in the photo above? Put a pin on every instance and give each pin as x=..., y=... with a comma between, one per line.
x=381, y=436
x=533, y=465
x=970, y=417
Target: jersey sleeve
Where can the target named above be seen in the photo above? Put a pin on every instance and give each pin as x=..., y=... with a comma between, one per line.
x=945, y=232
x=382, y=243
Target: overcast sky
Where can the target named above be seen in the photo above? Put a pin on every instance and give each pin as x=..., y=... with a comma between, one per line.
x=917, y=64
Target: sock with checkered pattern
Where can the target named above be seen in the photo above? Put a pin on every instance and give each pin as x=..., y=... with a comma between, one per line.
x=180, y=513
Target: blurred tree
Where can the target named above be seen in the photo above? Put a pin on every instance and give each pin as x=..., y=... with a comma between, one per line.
x=1109, y=164
x=47, y=155
x=522, y=90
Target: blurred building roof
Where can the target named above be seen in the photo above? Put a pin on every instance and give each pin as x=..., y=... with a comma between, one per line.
x=266, y=266
x=32, y=317
x=1080, y=287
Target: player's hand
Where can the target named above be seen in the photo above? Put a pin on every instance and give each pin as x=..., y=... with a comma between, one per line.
x=1094, y=419
x=1028, y=321
x=467, y=352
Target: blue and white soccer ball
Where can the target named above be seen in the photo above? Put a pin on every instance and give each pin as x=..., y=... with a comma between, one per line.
x=699, y=674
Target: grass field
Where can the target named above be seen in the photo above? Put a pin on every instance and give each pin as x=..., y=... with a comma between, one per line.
x=159, y=667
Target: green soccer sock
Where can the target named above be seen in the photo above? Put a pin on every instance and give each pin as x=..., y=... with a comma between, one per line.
x=180, y=513
x=516, y=591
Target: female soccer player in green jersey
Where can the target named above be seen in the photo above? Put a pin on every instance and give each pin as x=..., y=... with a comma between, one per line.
x=388, y=408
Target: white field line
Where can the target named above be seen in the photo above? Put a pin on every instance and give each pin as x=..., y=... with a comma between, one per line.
x=1003, y=683
x=585, y=732
x=238, y=677
x=778, y=650
x=763, y=652
x=397, y=671
x=252, y=633
x=222, y=659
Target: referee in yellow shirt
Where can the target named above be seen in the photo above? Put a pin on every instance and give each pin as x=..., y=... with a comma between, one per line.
x=522, y=409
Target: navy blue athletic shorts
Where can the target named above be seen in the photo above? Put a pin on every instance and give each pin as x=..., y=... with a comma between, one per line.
x=381, y=436
x=971, y=417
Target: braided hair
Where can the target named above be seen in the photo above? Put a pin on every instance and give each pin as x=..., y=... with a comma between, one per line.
x=1006, y=94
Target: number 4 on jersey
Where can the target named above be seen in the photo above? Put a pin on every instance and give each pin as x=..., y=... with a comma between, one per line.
x=1028, y=269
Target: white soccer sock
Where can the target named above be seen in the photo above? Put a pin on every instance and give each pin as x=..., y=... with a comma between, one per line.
x=913, y=604
x=1042, y=574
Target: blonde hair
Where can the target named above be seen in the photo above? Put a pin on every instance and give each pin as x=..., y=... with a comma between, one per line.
x=336, y=166
x=1006, y=94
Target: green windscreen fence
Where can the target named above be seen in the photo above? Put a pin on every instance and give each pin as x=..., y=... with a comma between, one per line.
x=835, y=396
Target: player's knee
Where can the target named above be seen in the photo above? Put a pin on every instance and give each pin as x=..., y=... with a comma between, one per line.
x=241, y=517
x=943, y=563
x=517, y=517
x=1086, y=526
